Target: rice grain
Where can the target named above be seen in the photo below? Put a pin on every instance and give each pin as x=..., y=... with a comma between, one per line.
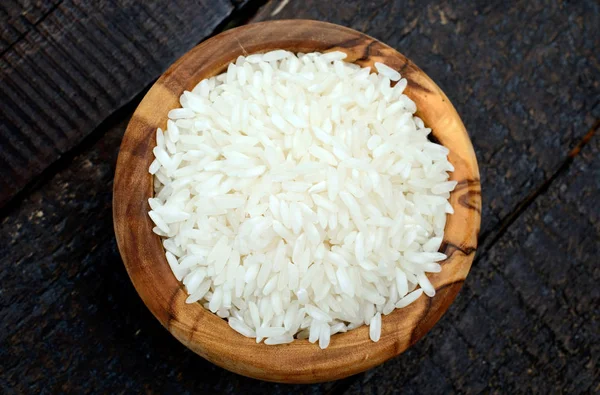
x=299, y=197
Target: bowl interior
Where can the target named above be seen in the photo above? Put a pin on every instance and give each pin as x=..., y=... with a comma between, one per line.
x=209, y=335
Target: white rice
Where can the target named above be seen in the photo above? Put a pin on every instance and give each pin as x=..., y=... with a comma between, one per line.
x=299, y=197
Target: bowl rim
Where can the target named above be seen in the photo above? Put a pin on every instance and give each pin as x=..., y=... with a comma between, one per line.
x=210, y=336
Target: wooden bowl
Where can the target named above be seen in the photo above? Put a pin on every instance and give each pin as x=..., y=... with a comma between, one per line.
x=209, y=335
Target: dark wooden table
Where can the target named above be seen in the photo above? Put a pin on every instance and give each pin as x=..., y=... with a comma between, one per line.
x=525, y=77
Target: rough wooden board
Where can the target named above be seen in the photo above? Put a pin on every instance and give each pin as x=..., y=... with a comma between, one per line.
x=18, y=17
x=70, y=319
x=73, y=326
x=69, y=68
x=528, y=319
x=524, y=78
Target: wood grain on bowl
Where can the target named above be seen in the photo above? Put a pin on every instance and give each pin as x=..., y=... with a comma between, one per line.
x=207, y=334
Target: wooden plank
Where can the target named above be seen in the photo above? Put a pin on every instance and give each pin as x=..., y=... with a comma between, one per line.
x=70, y=319
x=18, y=17
x=524, y=78
x=527, y=319
x=66, y=67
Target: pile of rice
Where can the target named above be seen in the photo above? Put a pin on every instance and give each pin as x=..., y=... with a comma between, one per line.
x=298, y=196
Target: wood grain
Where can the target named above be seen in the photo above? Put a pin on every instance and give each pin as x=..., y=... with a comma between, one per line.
x=204, y=332
x=18, y=17
x=70, y=320
x=66, y=66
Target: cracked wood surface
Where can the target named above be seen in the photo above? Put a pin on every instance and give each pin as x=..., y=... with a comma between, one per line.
x=524, y=79
x=67, y=65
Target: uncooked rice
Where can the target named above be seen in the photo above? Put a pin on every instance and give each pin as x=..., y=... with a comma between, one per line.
x=298, y=196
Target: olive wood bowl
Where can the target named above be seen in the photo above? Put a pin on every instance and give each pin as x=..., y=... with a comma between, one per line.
x=210, y=336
